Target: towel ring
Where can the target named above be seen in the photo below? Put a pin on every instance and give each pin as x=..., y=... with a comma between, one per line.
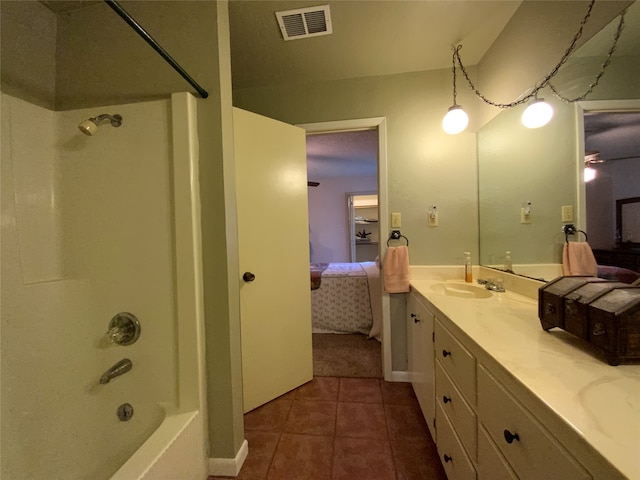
x=396, y=235
x=572, y=230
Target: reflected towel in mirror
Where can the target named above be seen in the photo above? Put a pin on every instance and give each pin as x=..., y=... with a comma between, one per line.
x=578, y=259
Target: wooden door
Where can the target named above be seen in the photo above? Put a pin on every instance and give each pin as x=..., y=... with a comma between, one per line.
x=273, y=243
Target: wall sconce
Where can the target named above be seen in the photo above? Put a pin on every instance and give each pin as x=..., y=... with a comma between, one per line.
x=538, y=113
x=525, y=212
x=433, y=216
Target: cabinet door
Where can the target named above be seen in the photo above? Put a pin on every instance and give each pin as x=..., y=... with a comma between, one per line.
x=491, y=464
x=530, y=450
x=420, y=323
x=455, y=461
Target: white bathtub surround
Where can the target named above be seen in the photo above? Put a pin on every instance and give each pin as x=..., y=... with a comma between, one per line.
x=229, y=467
x=101, y=211
x=175, y=450
x=592, y=408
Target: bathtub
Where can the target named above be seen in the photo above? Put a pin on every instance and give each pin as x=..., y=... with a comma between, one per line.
x=174, y=451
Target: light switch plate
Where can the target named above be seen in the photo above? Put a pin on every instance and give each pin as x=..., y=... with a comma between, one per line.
x=433, y=219
x=396, y=220
x=567, y=213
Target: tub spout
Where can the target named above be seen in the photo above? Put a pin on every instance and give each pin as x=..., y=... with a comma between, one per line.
x=123, y=366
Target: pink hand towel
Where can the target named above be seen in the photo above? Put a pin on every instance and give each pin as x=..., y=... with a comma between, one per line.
x=578, y=259
x=396, y=270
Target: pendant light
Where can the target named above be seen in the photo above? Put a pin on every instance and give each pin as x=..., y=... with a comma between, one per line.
x=537, y=114
x=456, y=119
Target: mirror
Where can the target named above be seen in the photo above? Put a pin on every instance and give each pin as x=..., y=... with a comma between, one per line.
x=628, y=222
x=529, y=179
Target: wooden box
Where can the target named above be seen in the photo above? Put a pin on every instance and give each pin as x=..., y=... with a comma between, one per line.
x=614, y=324
x=576, y=302
x=551, y=297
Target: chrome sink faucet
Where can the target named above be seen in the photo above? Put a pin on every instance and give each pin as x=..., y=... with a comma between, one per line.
x=123, y=366
x=491, y=285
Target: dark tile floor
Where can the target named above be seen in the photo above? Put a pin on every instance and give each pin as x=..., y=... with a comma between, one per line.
x=341, y=428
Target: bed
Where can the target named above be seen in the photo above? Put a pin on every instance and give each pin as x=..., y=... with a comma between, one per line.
x=345, y=298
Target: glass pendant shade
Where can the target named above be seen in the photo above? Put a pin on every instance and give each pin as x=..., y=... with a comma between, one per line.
x=537, y=114
x=589, y=174
x=455, y=121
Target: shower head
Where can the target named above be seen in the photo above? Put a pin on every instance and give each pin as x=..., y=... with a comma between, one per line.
x=89, y=127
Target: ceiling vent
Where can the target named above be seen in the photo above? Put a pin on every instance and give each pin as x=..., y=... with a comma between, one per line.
x=305, y=22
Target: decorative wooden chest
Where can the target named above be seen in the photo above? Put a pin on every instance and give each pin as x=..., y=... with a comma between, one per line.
x=614, y=324
x=577, y=301
x=551, y=298
x=602, y=312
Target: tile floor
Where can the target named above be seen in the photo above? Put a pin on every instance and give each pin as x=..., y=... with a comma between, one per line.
x=341, y=428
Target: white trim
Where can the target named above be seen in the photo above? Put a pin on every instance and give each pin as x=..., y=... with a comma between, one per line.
x=581, y=108
x=398, y=376
x=380, y=123
x=229, y=467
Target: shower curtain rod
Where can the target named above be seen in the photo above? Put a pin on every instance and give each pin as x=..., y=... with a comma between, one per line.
x=163, y=53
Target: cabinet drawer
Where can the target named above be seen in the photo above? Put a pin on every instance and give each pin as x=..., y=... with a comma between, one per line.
x=491, y=465
x=457, y=464
x=533, y=453
x=457, y=362
x=457, y=410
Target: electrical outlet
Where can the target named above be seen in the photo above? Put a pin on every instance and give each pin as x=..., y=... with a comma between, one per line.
x=524, y=216
x=396, y=220
x=433, y=219
x=567, y=213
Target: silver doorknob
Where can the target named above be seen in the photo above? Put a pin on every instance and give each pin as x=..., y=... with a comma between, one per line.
x=248, y=277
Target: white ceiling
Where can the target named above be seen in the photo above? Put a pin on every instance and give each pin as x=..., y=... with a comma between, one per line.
x=344, y=154
x=369, y=38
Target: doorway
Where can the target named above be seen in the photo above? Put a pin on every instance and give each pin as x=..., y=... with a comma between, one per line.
x=364, y=234
x=321, y=242
x=611, y=152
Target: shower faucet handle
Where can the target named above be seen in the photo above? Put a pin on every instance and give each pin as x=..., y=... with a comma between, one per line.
x=124, y=329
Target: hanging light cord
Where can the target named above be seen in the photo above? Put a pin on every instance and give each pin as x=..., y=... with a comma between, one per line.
x=455, y=92
x=605, y=64
x=534, y=92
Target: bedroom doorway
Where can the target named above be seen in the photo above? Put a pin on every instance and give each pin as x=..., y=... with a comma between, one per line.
x=333, y=244
x=364, y=233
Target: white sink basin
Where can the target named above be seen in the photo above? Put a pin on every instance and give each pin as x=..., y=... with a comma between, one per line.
x=461, y=290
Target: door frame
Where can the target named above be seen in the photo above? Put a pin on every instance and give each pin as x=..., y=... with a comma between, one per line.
x=581, y=108
x=380, y=124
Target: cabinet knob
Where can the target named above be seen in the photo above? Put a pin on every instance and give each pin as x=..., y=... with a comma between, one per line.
x=415, y=318
x=446, y=399
x=510, y=437
x=248, y=277
x=447, y=458
x=445, y=353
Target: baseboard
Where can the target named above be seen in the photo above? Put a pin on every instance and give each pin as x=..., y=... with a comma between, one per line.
x=229, y=467
x=398, y=376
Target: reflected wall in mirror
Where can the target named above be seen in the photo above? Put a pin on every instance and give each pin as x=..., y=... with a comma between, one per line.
x=628, y=221
x=545, y=166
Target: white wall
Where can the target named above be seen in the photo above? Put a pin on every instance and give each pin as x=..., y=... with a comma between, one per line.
x=86, y=233
x=328, y=216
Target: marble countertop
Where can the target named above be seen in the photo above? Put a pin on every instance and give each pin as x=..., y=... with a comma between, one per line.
x=598, y=401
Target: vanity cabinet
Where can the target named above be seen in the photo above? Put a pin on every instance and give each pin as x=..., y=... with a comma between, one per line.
x=526, y=445
x=482, y=430
x=456, y=421
x=420, y=324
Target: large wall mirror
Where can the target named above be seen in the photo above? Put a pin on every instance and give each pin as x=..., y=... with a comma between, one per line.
x=532, y=181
